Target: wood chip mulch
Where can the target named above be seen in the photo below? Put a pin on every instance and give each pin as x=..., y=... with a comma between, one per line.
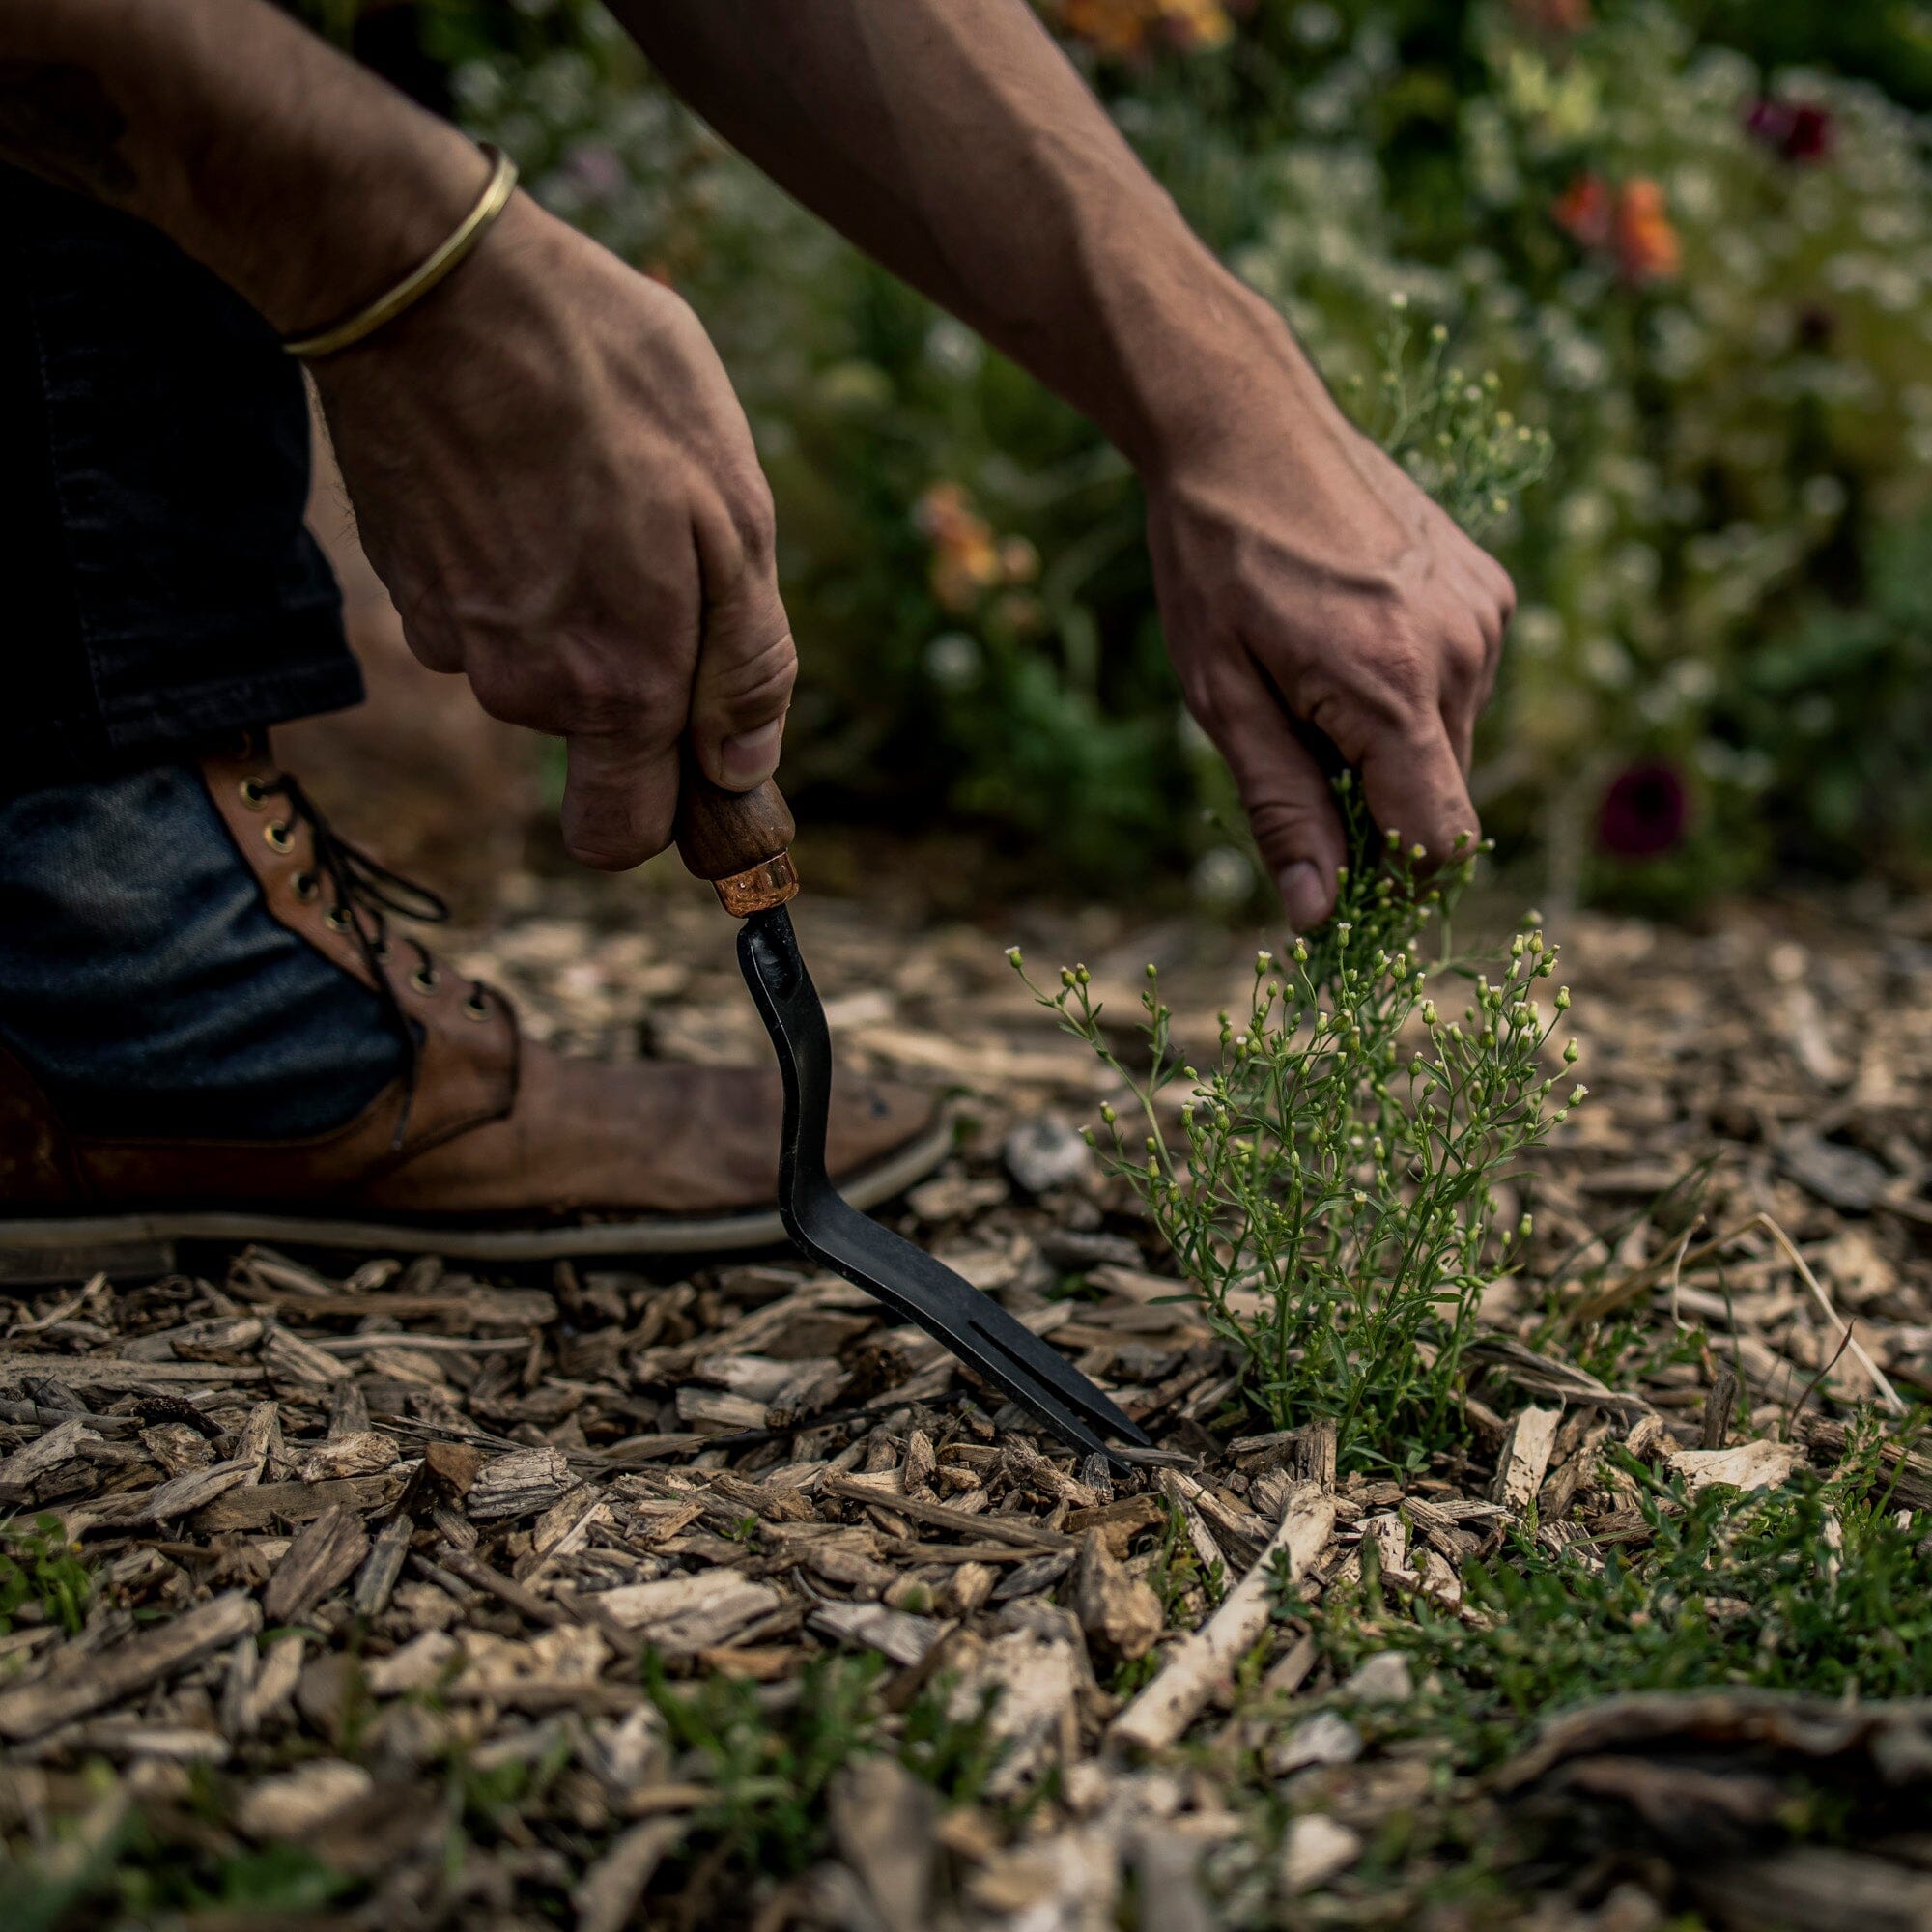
x=380, y=1547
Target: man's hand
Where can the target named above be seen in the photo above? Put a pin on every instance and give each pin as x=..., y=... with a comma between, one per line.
x=549, y=467
x=553, y=478
x=1302, y=577
x=1305, y=581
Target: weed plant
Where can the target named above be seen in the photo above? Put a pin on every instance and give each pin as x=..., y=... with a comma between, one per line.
x=769, y=1773
x=1333, y=1199
x=1447, y=428
x=38, y=1566
x=1813, y=1587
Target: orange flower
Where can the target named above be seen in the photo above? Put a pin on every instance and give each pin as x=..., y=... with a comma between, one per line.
x=1126, y=29
x=1629, y=221
x=965, y=556
x=1647, y=244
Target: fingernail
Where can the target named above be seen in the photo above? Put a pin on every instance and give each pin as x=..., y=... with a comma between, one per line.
x=1304, y=897
x=751, y=758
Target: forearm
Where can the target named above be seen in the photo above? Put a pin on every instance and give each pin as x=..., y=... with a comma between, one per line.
x=952, y=140
x=304, y=182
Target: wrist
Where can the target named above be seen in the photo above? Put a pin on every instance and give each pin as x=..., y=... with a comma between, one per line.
x=369, y=221
x=1224, y=362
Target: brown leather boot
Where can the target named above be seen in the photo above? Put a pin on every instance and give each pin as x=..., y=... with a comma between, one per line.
x=490, y=1147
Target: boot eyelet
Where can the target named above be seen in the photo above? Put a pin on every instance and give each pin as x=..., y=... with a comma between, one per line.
x=474, y=1008
x=424, y=980
x=336, y=919
x=281, y=837
x=305, y=886
x=254, y=793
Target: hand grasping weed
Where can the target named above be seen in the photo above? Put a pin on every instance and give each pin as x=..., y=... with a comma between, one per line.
x=1332, y=1203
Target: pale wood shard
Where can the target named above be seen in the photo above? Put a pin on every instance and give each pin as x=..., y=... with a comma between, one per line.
x=720, y=1409
x=1207, y=1551
x=884, y=1823
x=1168, y=1869
x=299, y=1802
x=898, y=1635
x=687, y=1613
x=1750, y=1466
x=608, y=1895
x=1315, y=1850
x=1525, y=1457
x=323, y=1557
x=276, y=1679
x=104, y=1372
x=258, y=1442
x=1159, y=1715
x=1026, y=1683
x=90, y=1682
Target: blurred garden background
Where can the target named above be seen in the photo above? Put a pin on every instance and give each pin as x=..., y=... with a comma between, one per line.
x=1690, y=240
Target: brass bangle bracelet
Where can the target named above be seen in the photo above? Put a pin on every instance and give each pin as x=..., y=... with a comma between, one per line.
x=418, y=282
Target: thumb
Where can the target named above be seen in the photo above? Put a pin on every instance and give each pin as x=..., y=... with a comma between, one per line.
x=1289, y=805
x=746, y=667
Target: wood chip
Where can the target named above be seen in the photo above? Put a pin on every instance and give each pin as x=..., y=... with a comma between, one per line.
x=1751, y=1465
x=324, y=1555
x=684, y=1614
x=1159, y=1715
x=1525, y=1457
x=90, y=1680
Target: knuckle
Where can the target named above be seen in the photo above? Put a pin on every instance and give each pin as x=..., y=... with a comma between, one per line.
x=1466, y=656
x=1284, y=827
x=754, y=515
x=751, y=689
x=1389, y=694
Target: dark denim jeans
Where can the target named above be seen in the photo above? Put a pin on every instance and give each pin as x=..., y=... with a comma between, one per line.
x=145, y=983
x=161, y=593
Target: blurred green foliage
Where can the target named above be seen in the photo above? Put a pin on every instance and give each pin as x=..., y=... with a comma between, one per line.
x=1702, y=268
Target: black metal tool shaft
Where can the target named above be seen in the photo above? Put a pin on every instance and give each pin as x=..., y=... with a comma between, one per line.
x=834, y=1232
x=740, y=841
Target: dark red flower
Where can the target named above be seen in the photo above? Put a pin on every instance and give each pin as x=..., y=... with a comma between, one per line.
x=1800, y=130
x=1817, y=325
x=1645, y=812
x=1587, y=210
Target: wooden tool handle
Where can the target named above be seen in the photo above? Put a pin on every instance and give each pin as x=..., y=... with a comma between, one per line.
x=740, y=840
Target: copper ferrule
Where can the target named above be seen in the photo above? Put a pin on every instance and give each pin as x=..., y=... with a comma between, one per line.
x=763, y=887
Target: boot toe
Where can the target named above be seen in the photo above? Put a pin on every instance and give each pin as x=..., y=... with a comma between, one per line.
x=873, y=1121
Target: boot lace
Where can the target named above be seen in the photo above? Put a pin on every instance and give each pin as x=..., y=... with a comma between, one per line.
x=365, y=895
